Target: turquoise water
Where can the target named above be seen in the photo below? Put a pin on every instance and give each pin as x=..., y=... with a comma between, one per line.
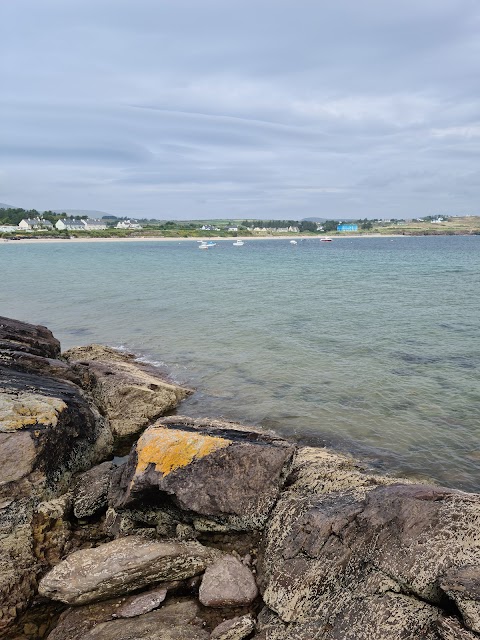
x=369, y=345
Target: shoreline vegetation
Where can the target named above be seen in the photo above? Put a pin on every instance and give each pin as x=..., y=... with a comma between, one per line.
x=23, y=225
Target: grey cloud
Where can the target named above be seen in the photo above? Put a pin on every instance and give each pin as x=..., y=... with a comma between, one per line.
x=264, y=107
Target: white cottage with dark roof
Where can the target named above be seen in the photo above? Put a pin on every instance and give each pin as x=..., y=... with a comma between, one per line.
x=35, y=224
x=93, y=225
x=68, y=224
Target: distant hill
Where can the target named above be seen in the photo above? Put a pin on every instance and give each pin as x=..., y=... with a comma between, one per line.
x=325, y=219
x=91, y=213
x=6, y=206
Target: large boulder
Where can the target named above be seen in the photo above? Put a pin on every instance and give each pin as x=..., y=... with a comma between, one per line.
x=123, y=566
x=130, y=394
x=220, y=473
x=48, y=432
x=364, y=544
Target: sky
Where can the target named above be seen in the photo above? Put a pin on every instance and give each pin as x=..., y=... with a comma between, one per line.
x=181, y=109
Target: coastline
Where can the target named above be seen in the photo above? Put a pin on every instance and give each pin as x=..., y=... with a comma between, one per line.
x=198, y=238
x=264, y=536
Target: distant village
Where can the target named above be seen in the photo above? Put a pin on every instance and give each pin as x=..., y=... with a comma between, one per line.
x=15, y=222
x=71, y=225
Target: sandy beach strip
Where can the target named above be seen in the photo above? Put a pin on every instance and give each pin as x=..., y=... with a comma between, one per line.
x=192, y=239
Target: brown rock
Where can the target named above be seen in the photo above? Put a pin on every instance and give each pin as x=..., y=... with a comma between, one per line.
x=142, y=603
x=227, y=583
x=177, y=620
x=130, y=394
x=355, y=543
x=220, y=471
x=234, y=629
x=462, y=584
x=451, y=629
x=122, y=566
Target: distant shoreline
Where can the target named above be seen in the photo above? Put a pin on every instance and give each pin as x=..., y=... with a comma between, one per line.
x=206, y=238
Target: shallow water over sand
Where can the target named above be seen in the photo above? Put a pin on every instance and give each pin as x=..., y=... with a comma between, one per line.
x=368, y=345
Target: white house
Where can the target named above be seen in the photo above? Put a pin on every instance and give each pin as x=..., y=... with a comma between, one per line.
x=94, y=225
x=68, y=224
x=128, y=224
x=209, y=227
x=8, y=228
x=31, y=224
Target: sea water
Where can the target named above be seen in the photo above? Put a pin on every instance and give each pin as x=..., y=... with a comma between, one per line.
x=367, y=345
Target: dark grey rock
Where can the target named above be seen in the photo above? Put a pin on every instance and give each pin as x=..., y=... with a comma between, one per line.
x=30, y=338
x=91, y=491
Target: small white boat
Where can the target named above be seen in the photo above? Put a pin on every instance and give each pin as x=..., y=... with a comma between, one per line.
x=293, y=242
x=326, y=239
x=203, y=244
x=238, y=243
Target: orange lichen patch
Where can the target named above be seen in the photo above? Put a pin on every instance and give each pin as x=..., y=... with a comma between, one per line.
x=170, y=449
x=27, y=409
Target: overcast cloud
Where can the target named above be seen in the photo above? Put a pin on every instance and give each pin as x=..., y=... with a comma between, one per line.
x=241, y=108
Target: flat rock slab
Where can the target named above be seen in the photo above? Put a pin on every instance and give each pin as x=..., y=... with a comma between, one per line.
x=213, y=469
x=122, y=566
x=130, y=394
x=234, y=629
x=176, y=620
x=142, y=603
x=227, y=583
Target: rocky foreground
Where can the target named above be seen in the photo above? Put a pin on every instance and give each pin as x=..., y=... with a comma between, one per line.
x=206, y=529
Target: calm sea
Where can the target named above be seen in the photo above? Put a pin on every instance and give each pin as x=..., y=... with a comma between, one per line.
x=367, y=345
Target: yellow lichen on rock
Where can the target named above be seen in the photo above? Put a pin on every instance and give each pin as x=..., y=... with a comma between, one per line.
x=170, y=449
x=27, y=409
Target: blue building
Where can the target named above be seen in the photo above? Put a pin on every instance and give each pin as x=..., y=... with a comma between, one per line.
x=347, y=227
